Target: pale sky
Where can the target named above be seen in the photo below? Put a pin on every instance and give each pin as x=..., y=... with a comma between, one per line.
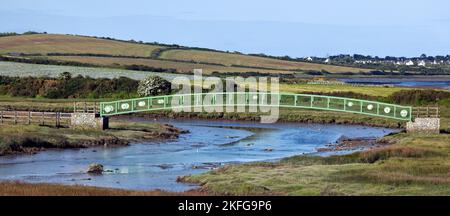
x=281, y=27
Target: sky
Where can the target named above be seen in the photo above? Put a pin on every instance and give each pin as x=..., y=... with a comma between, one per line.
x=297, y=28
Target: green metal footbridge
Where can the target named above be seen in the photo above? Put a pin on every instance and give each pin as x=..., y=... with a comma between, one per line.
x=248, y=99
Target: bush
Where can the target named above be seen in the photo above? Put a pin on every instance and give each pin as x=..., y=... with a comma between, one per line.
x=418, y=97
x=66, y=86
x=153, y=85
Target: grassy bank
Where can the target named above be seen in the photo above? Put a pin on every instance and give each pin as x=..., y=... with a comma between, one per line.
x=17, y=139
x=27, y=189
x=414, y=165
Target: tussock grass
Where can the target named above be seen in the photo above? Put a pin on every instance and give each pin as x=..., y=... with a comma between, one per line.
x=26, y=189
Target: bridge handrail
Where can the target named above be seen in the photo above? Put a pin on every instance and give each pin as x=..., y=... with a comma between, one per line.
x=407, y=109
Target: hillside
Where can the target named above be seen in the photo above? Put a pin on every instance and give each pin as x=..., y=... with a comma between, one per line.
x=108, y=52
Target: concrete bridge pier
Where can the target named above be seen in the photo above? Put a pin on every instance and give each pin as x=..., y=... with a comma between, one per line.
x=89, y=121
x=424, y=125
x=426, y=120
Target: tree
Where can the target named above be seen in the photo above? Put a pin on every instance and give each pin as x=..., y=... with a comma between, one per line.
x=153, y=85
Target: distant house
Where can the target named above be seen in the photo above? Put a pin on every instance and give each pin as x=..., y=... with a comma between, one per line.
x=422, y=63
x=308, y=59
x=327, y=60
x=409, y=63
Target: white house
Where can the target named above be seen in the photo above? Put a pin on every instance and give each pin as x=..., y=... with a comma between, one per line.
x=421, y=63
x=409, y=63
x=327, y=60
x=308, y=59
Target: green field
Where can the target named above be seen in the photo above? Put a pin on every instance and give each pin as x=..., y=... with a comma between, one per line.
x=230, y=59
x=38, y=70
x=183, y=67
x=327, y=88
x=53, y=43
x=181, y=59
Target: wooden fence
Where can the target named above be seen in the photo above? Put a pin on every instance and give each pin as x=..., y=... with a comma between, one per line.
x=57, y=119
x=85, y=107
x=426, y=112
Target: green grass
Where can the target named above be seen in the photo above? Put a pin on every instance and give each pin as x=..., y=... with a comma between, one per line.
x=183, y=67
x=42, y=189
x=54, y=43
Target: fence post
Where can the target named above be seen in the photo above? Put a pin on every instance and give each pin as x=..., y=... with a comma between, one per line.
x=15, y=117
x=43, y=118
x=1, y=116
x=29, y=117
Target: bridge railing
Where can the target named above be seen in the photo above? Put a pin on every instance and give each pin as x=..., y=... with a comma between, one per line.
x=249, y=99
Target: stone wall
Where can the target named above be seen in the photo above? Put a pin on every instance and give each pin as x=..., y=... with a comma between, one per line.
x=424, y=125
x=88, y=121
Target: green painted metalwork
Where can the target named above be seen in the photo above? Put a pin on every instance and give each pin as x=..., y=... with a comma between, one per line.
x=247, y=99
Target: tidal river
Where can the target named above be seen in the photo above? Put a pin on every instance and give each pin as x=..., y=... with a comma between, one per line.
x=156, y=165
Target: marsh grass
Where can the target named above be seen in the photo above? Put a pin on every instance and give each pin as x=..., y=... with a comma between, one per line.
x=411, y=166
x=26, y=189
x=32, y=138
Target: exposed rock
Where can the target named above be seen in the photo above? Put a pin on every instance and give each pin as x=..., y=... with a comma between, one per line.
x=95, y=169
x=165, y=166
x=345, y=143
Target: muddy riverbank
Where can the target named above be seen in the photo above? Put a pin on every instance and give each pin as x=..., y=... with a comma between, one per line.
x=31, y=139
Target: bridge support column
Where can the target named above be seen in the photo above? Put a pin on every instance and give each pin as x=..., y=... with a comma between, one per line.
x=424, y=125
x=88, y=121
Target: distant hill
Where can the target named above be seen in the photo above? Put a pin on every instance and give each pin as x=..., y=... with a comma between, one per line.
x=110, y=52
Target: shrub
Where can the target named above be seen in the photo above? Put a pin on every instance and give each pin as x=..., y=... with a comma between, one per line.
x=153, y=85
x=66, y=86
x=418, y=97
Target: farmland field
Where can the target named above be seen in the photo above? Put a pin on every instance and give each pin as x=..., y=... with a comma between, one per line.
x=23, y=70
x=44, y=44
x=183, y=67
x=367, y=90
x=230, y=59
x=51, y=43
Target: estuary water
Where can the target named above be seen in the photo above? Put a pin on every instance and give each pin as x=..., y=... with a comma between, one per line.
x=435, y=83
x=156, y=165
